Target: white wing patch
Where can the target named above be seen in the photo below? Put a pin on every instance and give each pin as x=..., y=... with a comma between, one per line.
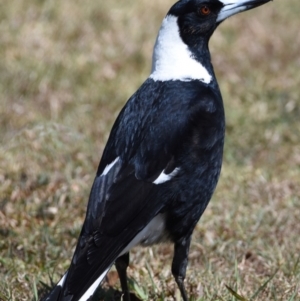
x=93, y=287
x=172, y=60
x=109, y=167
x=166, y=177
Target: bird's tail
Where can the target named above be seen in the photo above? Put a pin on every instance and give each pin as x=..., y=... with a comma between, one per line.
x=57, y=293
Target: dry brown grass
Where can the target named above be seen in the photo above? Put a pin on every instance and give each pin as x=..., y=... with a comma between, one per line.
x=66, y=69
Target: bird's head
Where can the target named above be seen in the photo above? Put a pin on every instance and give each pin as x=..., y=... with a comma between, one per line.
x=201, y=17
x=181, y=49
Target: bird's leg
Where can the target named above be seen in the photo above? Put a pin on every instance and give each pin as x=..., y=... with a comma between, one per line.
x=179, y=264
x=121, y=265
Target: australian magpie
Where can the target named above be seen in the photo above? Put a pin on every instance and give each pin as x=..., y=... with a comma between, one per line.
x=163, y=157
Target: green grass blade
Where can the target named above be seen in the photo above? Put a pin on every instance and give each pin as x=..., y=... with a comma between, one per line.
x=292, y=298
x=154, y=287
x=235, y=294
x=262, y=287
x=35, y=291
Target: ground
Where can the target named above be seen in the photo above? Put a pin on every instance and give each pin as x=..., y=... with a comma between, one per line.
x=66, y=69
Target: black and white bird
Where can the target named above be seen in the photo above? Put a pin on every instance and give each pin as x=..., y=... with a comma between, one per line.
x=163, y=157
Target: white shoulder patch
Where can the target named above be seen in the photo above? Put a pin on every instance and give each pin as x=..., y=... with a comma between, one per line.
x=166, y=177
x=109, y=167
x=172, y=60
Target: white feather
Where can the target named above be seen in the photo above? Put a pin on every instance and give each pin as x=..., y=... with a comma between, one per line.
x=109, y=167
x=93, y=287
x=166, y=177
x=62, y=280
x=154, y=232
x=172, y=60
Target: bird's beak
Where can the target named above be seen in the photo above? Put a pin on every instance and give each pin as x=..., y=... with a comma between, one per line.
x=232, y=7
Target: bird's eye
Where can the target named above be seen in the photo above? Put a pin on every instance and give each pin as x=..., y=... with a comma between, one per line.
x=204, y=10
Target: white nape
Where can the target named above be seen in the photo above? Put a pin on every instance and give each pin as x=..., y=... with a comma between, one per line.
x=166, y=177
x=93, y=287
x=172, y=60
x=109, y=167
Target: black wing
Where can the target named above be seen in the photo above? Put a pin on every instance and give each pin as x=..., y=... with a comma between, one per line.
x=147, y=139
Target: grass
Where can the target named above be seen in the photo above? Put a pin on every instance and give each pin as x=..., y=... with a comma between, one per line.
x=66, y=69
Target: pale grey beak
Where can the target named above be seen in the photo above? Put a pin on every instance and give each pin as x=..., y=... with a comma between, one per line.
x=232, y=7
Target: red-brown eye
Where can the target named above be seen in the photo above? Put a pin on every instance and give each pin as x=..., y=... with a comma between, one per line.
x=204, y=10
